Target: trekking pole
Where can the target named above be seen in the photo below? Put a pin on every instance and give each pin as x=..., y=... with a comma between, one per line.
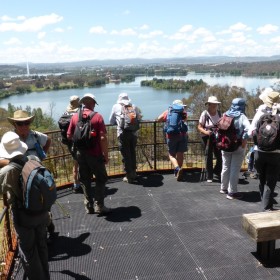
x=203, y=170
x=64, y=211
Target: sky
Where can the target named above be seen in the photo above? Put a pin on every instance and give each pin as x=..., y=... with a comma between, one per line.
x=67, y=30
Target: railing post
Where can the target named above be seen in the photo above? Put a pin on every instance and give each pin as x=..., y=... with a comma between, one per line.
x=155, y=145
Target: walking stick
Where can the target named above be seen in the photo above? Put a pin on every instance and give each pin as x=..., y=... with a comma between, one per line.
x=203, y=169
x=63, y=210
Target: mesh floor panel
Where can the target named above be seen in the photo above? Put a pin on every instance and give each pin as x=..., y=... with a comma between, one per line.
x=160, y=229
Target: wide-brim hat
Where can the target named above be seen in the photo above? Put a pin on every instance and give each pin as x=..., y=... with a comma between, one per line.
x=11, y=145
x=20, y=116
x=88, y=96
x=270, y=98
x=178, y=102
x=213, y=100
x=74, y=103
x=124, y=99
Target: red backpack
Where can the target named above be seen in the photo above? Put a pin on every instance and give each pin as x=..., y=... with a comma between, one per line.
x=226, y=134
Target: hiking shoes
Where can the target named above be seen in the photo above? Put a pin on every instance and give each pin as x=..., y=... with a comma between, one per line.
x=89, y=208
x=101, y=209
x=224, y=191
x=234, y=196
x=176, y=170
x=180, y=174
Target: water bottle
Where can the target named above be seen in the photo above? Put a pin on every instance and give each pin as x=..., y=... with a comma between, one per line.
x=40, y=152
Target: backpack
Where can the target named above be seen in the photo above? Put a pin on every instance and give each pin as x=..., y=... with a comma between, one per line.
x=84, y=134
x=63, y=123
x=129, y=120
x=174, y=122
x=267, y=136
x=226, y=134
x=37, y=185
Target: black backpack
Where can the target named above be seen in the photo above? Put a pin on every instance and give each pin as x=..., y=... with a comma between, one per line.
x=267, y=135
x=63, y=124
x=84, y=135
x=226, y=134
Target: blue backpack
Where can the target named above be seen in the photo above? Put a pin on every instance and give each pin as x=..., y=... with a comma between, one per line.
x=175, y=120
x=37, y=186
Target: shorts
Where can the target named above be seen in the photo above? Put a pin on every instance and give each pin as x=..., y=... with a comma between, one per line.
x=177, y=144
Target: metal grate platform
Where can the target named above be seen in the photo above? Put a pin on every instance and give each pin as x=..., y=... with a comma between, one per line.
x=160, y=229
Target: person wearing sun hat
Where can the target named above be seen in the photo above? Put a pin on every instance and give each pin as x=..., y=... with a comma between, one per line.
x=72, y=108
x=127, y=139
x=177, y=143
x=232, y=161
x=30, y=229
x=267, y=163
x=92, y=160
x=206, y=124
x=34, y=139
x=38, y=144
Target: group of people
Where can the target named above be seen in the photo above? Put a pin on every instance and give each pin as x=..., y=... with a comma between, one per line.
x=228, y=164
x=22, y=142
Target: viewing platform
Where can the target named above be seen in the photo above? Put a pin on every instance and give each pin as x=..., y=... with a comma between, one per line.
x=160, y=229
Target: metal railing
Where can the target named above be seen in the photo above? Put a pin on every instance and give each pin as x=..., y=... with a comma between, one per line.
x=151, y=153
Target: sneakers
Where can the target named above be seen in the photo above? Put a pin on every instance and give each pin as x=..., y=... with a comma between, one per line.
x=234, y=195
x=209, y=181
x=77, y=188
x=179, y=175
x=101, y=209
x=128, y=180
x=224, y=191
x=89, y=208
x=176, y=170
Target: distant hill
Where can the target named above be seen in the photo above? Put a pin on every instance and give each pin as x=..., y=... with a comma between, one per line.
x=141, y=61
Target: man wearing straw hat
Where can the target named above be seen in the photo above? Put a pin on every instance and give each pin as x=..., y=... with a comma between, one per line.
x=30, y=229
x=37, y=143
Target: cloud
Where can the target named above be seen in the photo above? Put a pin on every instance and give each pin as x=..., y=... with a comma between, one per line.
x=97, y=30
x=185, y=28
x=144, y=27
x=267, y=29
x=151, y=34
x=59, y=30
x=32, y=24
x=13, y=41
x=240, y=27
x=124, y=32
x=41, y=35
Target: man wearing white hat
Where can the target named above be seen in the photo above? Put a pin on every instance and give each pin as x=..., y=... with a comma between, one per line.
x=71, y=109
x=92, y=160
x=127, y=138
x=30, y=229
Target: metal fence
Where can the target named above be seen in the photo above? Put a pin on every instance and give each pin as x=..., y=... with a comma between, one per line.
x=151, y=153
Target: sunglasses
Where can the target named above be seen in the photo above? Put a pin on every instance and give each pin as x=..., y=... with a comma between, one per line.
x=22, y=123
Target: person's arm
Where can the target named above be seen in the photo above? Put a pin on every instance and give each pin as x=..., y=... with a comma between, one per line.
x=112, y=118
x=47, y=145
x=104, y=146
x=4, y=162
x=203, y=131
x=200, y=127
x=162, y=117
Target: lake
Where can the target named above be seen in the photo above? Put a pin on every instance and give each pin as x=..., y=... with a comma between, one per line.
x=152, y=102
